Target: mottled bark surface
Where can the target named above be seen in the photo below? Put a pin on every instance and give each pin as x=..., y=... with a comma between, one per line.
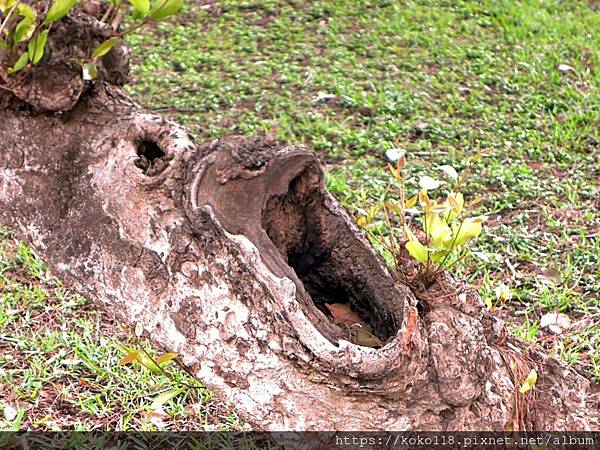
x=227, y=253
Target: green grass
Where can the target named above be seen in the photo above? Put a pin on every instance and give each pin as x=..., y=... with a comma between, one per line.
x=59, y=362
x=441, y=80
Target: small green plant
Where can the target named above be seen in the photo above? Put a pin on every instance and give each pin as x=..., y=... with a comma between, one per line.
x=446, y=228
x=158, y=367
x=25, y=25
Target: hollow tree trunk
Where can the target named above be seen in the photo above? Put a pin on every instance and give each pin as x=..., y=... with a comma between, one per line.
x=227, y=253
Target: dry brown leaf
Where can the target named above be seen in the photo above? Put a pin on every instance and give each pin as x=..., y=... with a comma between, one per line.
x=365, y=337
x=342, y=314
x=550, y=275
x=157, y=417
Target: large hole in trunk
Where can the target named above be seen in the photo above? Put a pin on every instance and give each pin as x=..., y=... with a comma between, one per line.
x=324, y=253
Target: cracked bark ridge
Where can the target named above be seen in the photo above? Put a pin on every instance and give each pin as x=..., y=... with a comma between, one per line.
x=226, y=254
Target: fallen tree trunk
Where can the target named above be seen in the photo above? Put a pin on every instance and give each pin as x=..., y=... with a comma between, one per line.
x=227, y=254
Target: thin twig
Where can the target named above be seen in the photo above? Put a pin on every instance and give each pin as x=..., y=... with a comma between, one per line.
x=393, y=239
x=6, y=88
x=108, y=13
x=133, y=28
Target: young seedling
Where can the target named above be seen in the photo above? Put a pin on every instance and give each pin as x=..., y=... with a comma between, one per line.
x=25, y=25
x=446, y=228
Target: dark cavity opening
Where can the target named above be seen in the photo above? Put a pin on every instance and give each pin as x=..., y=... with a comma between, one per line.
x=151, y=158
x=324, y=255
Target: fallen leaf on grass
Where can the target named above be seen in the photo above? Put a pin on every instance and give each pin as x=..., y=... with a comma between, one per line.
x=157, y=417
x=564, y=68
x=555, y=322
x=10, y=413
x=323, y=97
x=421, y=126
x=550, y=275
x=394, y=154
x=503, y=292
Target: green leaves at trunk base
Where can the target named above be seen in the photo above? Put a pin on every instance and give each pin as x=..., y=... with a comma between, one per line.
x=59, y=9
x=35, y=48
x=20, y=64
x=89, y=71
x=417, y=251
x=143, y=6
x=165, y=8
x=105, y=47
x=467, y=230
x=25, y=27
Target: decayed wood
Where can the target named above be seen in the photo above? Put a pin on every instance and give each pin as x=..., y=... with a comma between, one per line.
x=227, y=254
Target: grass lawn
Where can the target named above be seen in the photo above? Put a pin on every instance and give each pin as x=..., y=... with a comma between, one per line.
x=508, y=91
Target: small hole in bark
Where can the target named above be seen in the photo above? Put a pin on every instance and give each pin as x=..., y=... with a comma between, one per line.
x=151, y=158
x=309, y=238
x=421, y=309
x=448, y=414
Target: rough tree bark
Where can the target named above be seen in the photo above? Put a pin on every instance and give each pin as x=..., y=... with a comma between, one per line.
x=226, y=254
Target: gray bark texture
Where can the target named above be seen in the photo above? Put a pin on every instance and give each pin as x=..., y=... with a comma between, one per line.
x=226, y=254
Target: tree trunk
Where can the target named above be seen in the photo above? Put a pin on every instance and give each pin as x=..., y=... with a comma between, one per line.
x=227, y=254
